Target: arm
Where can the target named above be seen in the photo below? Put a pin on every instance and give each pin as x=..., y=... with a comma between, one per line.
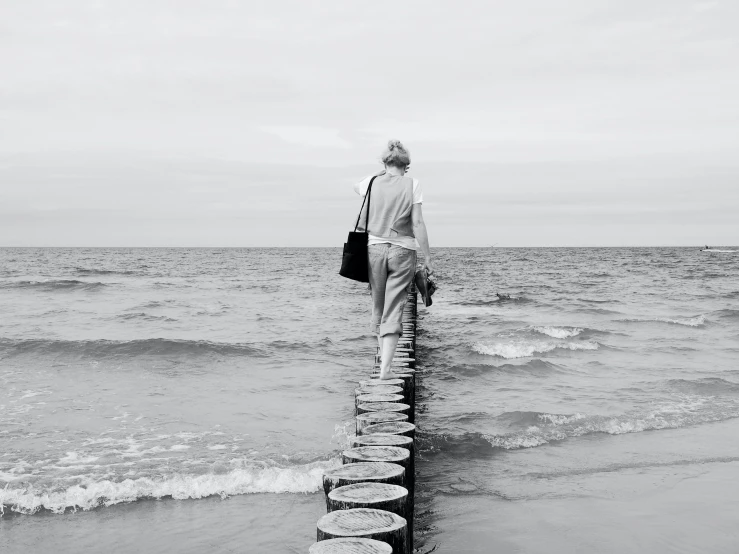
x=361, y=187
x=419, y=229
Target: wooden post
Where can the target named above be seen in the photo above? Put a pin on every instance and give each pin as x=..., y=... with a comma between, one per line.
x=377, y=383
x=400, y=441
x=372, y=418
x=392, y=428
x=367, y=523
x=392, y=440
x=362, y=398
x=409, y=392
x=390, y=454
x=384, y=390
x=390, y=498
x=380, y=496
x=361, y=472
x=386, y=440
x=379, y=389
x=399, y=407
x=371, y=497
x=350, y=545
x=402, y=383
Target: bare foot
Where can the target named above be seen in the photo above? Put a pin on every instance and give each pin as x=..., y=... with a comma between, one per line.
x=387, y=375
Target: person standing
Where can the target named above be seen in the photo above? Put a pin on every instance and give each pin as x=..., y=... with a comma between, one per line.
x=396, y=232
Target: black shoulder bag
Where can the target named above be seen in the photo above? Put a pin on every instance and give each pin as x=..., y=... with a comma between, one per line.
x=354, y=262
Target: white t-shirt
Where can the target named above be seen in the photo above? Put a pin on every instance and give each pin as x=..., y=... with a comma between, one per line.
x=406, y=242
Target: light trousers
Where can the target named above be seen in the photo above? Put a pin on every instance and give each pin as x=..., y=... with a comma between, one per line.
x=391, y=271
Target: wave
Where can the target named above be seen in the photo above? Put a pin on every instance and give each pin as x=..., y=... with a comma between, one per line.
x=525, y=349
x=465, y=445
x=539, y=428
x=86, y=271
x=495, y=301
x=534, y=365
x=593, y=301
x=254, y=478
x=559, y=332
x=143, y=316
x=156, y=304
x=54, y=284
x=706, y=386
x=527, y=419
x=691, y=410
x=727, y=314
x=597, y=311
x=696, y=321
x=112, y=348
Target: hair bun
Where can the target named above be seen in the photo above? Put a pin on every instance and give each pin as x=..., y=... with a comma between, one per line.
x=396, y=155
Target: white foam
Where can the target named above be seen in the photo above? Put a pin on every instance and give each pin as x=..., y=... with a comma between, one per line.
x=514, y=442
x=696, y=321
x=559, y=332
x=252, y=478
x=557, y=419
x=75, y=458
x=32, y=393
x=524, y=349
x=344, y=434
x=688, y=410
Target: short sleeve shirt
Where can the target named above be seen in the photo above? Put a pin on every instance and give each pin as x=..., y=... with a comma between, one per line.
x=361, y=189
x=406, y=242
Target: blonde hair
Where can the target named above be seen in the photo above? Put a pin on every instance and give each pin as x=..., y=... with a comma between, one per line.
x=396, y=155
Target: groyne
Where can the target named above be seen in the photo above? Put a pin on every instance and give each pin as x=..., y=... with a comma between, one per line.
x=370, y=499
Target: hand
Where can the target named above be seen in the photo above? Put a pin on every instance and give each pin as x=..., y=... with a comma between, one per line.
x=429, y=267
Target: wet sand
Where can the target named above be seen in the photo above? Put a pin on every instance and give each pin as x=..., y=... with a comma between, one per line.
x=684, y=518
x=685, y=505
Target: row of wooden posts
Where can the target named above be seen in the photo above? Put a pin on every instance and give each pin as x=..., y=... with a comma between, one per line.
x=370, y=498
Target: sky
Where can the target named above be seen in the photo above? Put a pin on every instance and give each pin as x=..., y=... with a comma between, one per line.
x=225, y=123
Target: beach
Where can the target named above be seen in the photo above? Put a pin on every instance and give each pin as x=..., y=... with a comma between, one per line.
x=192, y=398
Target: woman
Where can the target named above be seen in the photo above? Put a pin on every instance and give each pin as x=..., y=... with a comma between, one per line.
x=396, y=229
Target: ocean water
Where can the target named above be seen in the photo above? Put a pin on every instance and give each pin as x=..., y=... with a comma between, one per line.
x=192, y=398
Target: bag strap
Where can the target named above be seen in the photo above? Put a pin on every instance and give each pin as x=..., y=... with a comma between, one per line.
x=368, y=200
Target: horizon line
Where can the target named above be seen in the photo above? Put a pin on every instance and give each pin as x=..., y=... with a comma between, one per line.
x=433, y=247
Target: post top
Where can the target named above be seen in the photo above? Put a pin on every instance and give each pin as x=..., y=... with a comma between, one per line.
x=367, y=493
x=384, y=406
x=382, y=440
x=362, y=398
x=350, y=545
x=377, y=417
x=391, y=427
x=377, y=453
x=361, y=470
x=358, y=522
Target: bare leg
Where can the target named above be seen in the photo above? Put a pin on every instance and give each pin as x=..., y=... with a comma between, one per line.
x=379, y=343
x=388, y=343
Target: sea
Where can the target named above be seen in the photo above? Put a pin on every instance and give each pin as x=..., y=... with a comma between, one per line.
x=190, y=399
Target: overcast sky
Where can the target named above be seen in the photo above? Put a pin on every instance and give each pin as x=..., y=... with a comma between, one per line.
x=536, y=122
